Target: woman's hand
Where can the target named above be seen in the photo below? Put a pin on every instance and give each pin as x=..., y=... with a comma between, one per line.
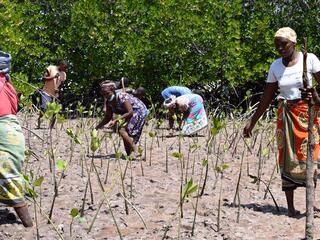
x=247, y=131
x=310, y=93
x=111, y=123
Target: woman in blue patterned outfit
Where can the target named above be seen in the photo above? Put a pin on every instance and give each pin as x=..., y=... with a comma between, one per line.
x=132, y=111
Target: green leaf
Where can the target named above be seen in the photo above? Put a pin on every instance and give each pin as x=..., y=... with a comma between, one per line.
x=38, y=182
x=74, y=212
x=177, y=155
x=189, y=188
x=61, y=165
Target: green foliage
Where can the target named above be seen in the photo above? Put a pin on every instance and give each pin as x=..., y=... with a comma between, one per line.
x=74, y=212
x=216, y=42
x=188, y=189
x=95, y=141
x=62, y=165
x=216, y=126
x=221, y=168
x=177, y=155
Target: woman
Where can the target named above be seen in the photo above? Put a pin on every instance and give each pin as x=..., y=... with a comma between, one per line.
x=133, y=112
x=171, y=93
x=11, y=146
x=194, y=114
x=285, y=73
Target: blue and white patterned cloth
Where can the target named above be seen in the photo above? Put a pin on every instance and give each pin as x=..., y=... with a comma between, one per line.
x=5, y=60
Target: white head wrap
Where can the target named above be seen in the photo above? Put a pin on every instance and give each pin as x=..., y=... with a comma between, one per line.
x=182, y=101
x=287, y=33
x=109, y=85
x=170, y=102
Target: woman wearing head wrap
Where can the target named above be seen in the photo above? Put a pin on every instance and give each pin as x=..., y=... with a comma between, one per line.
x=194, y=114
x=285, y=74
x=131, y=109
x=11, y=146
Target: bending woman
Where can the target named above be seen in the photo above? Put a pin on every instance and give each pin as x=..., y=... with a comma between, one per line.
x=194, y=114
x=131, y=109
x=292, y=116
x=12, y=146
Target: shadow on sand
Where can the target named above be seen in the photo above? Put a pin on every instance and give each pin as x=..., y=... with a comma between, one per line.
x=266, y=208
x=7, y=217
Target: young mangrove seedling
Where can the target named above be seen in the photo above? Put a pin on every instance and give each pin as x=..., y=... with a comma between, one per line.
x=74, y=213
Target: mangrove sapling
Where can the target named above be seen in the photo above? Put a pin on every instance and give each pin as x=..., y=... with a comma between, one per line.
x=31, y=184
x=179, y=156
x=236, y=195
x=61, y=165
x=220, y=170
x=191, y=149
x=118, y=154
x=270, y=180
x=263, y=152
x=204, y=163
x=152, y=135
x=216, y=126
x=140, y=151
x=167, y=168
x=51, y=112
x=129, y=160
x=255, y=180
x=74, y=139
x=205, y=176
x=188, y=189
x=74, y=213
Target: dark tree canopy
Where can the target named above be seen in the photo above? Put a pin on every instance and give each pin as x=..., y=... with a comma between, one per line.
x=222, y=46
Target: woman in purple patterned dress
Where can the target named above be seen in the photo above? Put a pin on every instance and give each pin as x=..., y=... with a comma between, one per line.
x=133, y=112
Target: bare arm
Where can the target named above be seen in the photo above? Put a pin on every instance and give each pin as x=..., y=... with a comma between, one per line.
x=46, y=76
x=129, y=110
x=106, y=119
x=264, y=103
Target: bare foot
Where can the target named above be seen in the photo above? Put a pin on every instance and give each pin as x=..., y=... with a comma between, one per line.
x=293, y=213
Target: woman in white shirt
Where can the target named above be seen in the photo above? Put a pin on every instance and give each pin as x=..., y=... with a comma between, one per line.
x=285, y=75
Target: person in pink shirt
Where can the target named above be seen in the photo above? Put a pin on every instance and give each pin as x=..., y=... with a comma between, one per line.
x=54, y=77
x=12, y=146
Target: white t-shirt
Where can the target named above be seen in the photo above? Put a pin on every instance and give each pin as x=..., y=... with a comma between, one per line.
x=290, y=78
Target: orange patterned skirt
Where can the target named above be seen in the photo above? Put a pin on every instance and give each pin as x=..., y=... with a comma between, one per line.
x=292, y=138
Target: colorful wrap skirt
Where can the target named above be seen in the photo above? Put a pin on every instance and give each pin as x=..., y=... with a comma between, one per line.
x=12, y=148
x=292, y=138
x=197, y=118
x=136, y=123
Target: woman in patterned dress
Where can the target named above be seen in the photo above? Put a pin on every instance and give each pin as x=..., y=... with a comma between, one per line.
x=132, y=112
x=194, y=114
x=285, y=74
x=12, y=146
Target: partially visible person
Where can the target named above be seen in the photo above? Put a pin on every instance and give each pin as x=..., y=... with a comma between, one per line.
x=168, y=94
x=140, y=93
x=131, y=110
x=12, y=146
x=54, y=77
x=194, y=114
x=285, y=74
